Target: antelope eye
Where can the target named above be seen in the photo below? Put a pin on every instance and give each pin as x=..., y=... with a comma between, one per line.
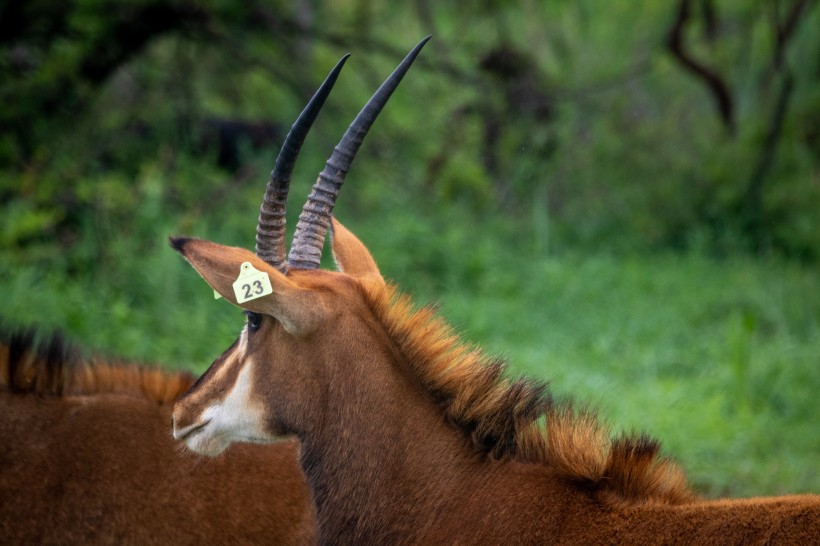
x=254, y=321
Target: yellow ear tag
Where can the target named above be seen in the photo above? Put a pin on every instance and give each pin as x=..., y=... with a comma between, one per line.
x=251, y=284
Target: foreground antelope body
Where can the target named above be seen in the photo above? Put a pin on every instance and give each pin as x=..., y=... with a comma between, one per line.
x=86, y=458
x=411, y=436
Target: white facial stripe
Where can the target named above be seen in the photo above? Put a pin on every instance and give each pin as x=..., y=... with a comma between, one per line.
x=226, y=368
x=237, y=417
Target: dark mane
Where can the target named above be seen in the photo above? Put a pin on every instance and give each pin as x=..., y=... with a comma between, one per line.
x=46, y=365
x=520, y=419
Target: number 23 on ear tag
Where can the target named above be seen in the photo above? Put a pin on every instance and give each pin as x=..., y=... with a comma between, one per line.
x=251, y=284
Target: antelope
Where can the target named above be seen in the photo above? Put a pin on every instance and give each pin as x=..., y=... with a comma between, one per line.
x=86, y=458
x=410, y=435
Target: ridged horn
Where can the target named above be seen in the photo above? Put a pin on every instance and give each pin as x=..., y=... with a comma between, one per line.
x=270, y=230
x=306, y=249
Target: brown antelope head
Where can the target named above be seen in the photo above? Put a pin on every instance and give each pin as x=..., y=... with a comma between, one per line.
x=268, y=384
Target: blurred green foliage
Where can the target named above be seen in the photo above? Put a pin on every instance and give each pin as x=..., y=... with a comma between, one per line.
x=574, y=118
x=552, y=172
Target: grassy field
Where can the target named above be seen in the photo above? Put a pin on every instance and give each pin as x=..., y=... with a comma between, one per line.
x=720, y=361
x=718, y=358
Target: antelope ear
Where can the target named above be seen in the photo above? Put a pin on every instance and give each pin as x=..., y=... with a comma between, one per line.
x=351, y=256
x=298, y=309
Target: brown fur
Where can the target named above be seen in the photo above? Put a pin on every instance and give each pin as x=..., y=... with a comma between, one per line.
x=86, y=457
x=410, y=436
x=52, y=367
x=504, y=418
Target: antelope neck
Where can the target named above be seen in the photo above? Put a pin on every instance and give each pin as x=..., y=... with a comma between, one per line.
x=386, y=450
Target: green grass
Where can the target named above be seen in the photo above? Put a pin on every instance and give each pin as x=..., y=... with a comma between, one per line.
x=718, y=359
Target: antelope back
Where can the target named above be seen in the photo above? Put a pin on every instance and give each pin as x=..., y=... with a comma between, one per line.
x=86, y=458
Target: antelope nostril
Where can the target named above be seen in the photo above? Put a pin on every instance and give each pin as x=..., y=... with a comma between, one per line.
x=182, y=433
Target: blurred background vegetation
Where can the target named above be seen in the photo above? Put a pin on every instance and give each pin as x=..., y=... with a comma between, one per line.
x=622, y=197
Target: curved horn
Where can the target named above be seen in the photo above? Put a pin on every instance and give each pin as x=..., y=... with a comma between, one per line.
x=306, y=250
x=270, y=230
